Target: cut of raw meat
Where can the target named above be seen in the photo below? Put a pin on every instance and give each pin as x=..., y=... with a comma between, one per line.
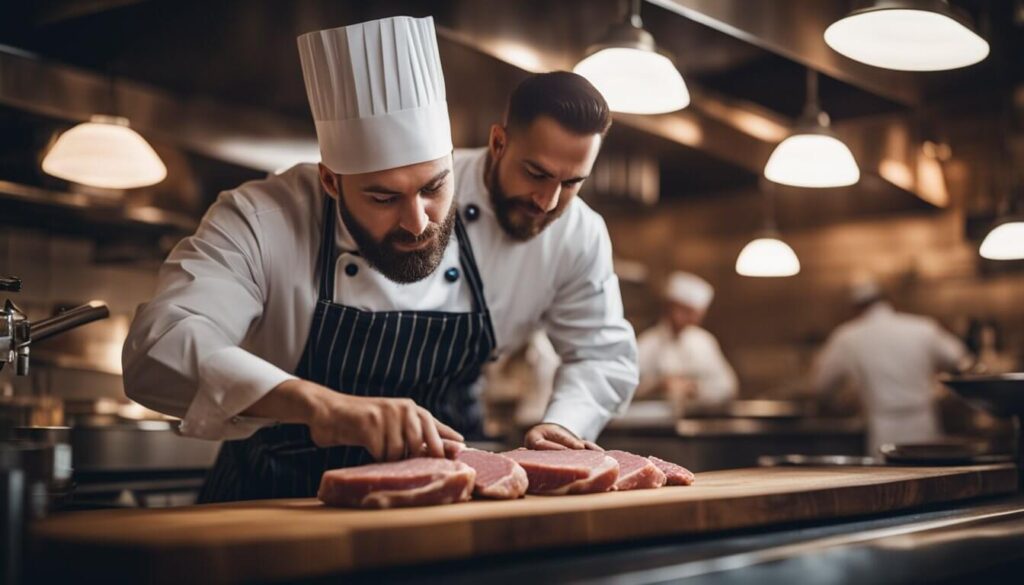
x=636, y=472
x=674, y=474
x=414, y=482
x=497, y=476
x=566, y=472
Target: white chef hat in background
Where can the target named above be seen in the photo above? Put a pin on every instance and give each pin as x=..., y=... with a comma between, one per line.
x=864, y=289
x=690, y=290
x=377, y=94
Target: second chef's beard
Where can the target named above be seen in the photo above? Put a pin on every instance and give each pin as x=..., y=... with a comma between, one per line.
x=397, y=266
x=510, y=210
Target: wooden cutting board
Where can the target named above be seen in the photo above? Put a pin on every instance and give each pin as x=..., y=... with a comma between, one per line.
x=290, y=539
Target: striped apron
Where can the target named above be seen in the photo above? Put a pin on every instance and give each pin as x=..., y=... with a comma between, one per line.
x=432, y=357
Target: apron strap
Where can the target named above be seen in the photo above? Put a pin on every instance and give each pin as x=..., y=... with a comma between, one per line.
x=476, y=283
x=325, y=258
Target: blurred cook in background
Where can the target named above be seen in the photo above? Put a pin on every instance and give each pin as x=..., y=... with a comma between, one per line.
x=892, y=358
x=680, y=360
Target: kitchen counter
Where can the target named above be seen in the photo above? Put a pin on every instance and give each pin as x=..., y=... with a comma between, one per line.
x=299, y=539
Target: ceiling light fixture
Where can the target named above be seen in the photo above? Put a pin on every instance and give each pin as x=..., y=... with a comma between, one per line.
x=631, y=73
x=908, y=35
x=767, y=256
x=812, y=156
x=104, y=152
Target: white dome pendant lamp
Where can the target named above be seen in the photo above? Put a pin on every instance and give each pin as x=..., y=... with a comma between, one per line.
x=908, y=35
x=632, y=74
x=767, y=256
x=104, y=152
x=812, y=156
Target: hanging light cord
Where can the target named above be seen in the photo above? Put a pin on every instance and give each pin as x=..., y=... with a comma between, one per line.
x=812, y=105
x=634, y=13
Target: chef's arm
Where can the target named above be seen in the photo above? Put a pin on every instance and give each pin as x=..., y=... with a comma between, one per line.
x=597, y=345
x=389, y=428
x=948, y=352
x=182, y=356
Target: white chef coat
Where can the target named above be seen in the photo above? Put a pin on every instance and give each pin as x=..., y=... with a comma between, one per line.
x=694, y=354
x=234, y=304
x=892, y=358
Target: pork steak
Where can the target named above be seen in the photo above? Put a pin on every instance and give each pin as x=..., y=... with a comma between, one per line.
x=497, y=476
x=421, y=481
x=566, y=472
x=674, y=474
x=636, y=472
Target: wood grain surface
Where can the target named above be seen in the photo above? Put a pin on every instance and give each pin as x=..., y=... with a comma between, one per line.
x=290, y=539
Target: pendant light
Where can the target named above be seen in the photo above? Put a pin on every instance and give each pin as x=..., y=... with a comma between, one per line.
x=631, y=73
x=812, y=156
x=104, y=152
x=1006, y=239
x=767, y=256
x=908, y=35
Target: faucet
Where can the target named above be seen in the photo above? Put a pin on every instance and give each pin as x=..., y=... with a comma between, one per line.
x=17, y=333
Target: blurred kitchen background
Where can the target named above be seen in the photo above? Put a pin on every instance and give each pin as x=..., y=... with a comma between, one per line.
x=216, y=89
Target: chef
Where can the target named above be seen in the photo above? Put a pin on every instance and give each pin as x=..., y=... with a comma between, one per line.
x=678, y=358
x=337, y=305
x=546, y=257
x=892, y=359
x=335, y=314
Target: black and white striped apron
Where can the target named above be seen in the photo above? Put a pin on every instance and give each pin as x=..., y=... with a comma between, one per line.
x=432, y=357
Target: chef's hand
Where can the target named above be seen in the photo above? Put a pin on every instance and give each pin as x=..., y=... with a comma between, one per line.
x=679, y=388
x=389, y=428
x=549, y=437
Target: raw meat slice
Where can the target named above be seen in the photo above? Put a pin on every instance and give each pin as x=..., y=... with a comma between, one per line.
x=497, y=476
x=421, y=481
x=636, y=472
x=674, y=474
x=566, y=472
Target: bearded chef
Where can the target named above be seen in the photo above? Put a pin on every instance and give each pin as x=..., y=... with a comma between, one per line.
x=678, y=358
x=546, y=256
x=331, y=315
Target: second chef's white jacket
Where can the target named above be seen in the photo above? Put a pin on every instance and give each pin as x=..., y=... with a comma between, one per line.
x=234, y=303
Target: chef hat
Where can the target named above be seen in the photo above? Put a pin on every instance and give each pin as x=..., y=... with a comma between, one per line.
x=690, y=290
x=377, y=94
x=864, y=290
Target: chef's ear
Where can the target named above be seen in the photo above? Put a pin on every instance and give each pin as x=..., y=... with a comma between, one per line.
x=498, y=141
x=330, y=181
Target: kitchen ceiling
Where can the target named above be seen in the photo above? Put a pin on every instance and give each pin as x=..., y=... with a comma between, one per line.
x=744, y=61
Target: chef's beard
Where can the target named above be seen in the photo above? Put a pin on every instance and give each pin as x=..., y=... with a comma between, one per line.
x=521, y=228
x=397, y=266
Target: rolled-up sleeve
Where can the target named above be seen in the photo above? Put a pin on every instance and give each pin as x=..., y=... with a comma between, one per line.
x=183, y=354
x=585, y=322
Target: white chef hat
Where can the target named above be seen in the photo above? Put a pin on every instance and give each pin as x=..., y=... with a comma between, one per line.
x=864, y=289
x=690, y=290
x=377, y=94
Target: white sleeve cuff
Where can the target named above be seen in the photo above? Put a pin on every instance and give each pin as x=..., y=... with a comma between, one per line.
x=583, y=419
x=230, y=381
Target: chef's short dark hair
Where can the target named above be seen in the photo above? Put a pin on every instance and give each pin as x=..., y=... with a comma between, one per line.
x=566, y=97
